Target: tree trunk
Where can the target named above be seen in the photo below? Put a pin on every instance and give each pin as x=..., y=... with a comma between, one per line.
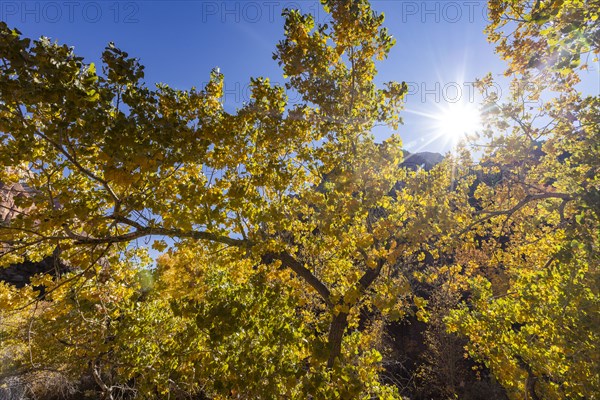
x=336, y=334
x=340, y=321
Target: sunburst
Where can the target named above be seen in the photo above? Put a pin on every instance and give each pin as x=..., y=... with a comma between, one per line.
x=457, y=120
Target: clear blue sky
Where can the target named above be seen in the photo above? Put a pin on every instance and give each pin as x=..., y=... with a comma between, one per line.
x=440, y=45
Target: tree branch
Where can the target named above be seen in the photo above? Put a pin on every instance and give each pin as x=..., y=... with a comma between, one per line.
x=526, y=200
x=151, y=231
x=290, y=262
x=80, y=167
x=369, y=277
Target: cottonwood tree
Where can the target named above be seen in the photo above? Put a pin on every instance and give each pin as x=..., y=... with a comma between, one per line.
x=287, y=235
x=284, y=230
x=535, y=323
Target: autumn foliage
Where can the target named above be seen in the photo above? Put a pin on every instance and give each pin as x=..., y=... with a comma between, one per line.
x=270, y=252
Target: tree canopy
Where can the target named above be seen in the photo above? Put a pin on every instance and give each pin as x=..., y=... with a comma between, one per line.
x=288, y=239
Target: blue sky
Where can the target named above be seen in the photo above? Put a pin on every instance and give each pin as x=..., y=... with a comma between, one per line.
x=440, y=46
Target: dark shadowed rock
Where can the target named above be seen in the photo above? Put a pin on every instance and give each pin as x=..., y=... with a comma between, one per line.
x=20, y=275
x=9, y=193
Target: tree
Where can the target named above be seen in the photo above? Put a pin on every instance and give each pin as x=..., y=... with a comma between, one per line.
x=535, y=324
x=290, y=211
x=547, y=35
x=287, y=236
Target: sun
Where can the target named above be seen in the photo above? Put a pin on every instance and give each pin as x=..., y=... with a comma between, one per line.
x=458, y=120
